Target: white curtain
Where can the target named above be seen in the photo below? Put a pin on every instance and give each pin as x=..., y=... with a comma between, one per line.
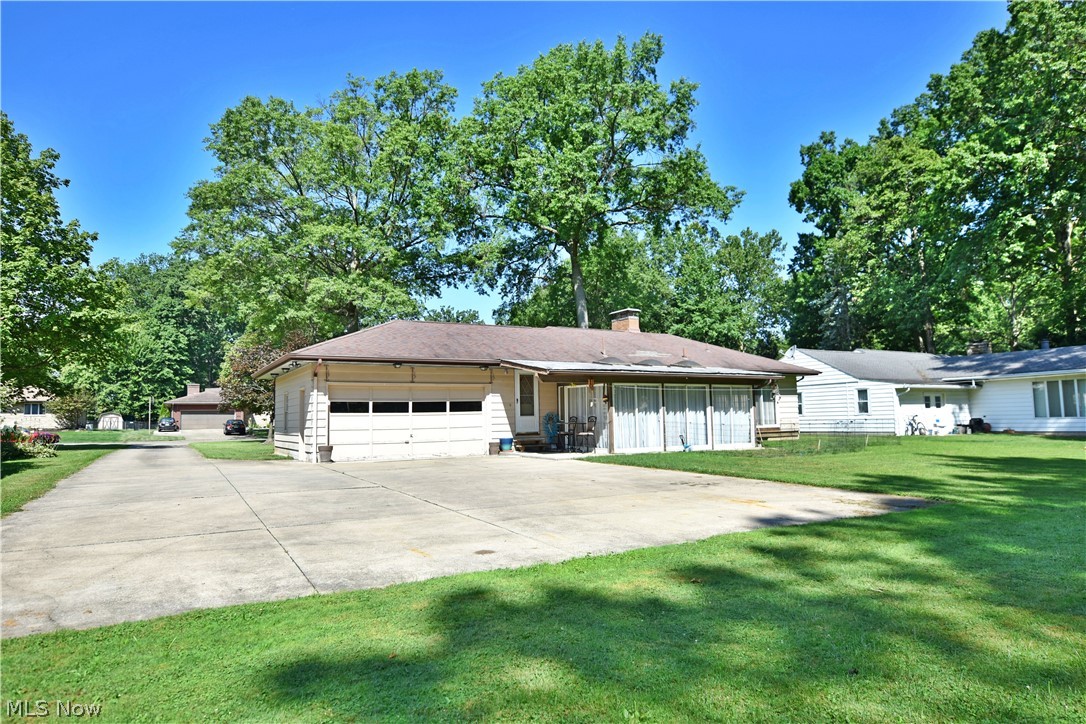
x=585, y=403
x=685, y=415
x=637, y=417
x=731, y=415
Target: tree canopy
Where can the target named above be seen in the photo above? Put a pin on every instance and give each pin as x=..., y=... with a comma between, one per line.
x=694, y=282
x=962, y=216
x=54, y=308
x=163, y=343
x=583, y=141
x=330, y=219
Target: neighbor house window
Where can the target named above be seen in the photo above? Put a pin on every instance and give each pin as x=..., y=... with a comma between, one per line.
x=861, y=402
x=33, y=408
x=938, y=401
x=1059, y=398
x=799, y=402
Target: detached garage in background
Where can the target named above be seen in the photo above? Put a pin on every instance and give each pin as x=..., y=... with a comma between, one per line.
x=199, y=410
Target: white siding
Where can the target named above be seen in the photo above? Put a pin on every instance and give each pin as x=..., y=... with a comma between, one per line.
x=294, y=406
x=830, y=401
x=1008, y=405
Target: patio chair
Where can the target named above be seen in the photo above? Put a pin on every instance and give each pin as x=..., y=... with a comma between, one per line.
x=586, y=439
x=569, y=433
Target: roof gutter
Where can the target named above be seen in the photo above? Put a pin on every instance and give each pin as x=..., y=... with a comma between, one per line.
x=1017, y=376
x=343, y=359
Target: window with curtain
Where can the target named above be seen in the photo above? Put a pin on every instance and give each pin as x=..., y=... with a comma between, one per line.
x=1059, y=398
x=767, y=407
x=637, y=417
x=731, y=415
x=584, y=403
x=685, y=415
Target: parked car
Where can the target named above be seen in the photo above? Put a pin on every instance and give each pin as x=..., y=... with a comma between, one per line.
x=234, y=427
x=168, y=424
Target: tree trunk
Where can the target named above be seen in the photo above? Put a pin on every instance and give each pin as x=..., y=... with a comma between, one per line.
x=578, y=286
x=1067, y=277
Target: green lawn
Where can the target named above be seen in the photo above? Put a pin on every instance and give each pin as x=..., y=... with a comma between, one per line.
x=972, y=610
x=78, y=436
x=24, y=480
x=237, y=450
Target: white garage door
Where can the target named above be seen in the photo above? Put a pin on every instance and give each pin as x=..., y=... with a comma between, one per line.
x=405, y=422
x=204, y=420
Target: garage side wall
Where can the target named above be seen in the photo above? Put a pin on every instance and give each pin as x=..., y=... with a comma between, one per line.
x=295, y=407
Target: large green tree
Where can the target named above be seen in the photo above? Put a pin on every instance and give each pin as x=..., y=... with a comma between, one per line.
x=54, y=308
x=962, y=217
x=334, y=218
x=583, y=141
x=164, y=342
x=827, y=270
x=694, y=282
x=1012, y=125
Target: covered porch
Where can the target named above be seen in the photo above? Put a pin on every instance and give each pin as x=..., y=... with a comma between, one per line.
x=628, y=411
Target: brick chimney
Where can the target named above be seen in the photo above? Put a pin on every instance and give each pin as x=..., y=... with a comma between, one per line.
x=979, y=347
x=626, y=320
x=192, y=388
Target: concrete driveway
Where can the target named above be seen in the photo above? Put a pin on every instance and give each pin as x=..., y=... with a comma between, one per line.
x=155, y=529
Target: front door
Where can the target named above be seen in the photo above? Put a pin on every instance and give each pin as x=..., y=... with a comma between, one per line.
x=526, y=401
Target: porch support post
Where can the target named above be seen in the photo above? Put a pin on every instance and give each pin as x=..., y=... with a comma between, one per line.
x=611, y=419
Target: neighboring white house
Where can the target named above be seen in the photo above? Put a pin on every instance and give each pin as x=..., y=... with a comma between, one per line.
x=426, y=389
x=31, y=411
x=879, y=391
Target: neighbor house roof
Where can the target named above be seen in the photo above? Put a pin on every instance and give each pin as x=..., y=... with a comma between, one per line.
x=580, y=349
x=210, y=396
x=916, y=368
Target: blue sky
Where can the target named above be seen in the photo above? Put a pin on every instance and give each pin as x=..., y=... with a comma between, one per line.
x=126, y=91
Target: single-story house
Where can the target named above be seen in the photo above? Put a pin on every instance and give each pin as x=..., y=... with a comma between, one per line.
x=879, y=391
x=408, y=389
x=31, y=410
x=199, y=410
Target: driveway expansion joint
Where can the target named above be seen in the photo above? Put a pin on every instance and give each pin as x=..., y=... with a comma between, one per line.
x=265, y=525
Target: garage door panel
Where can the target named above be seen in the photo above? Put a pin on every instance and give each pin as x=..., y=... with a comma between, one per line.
x=204, y=420
x=406, y=422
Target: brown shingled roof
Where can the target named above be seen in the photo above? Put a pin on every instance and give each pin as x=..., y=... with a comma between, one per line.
x=449, y=343
x=210, y=396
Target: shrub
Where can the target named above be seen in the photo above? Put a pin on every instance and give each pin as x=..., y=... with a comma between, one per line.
x=16, y=444
x=44, y=438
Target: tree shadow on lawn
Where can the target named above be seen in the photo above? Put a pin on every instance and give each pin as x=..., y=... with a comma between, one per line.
x=947, y=612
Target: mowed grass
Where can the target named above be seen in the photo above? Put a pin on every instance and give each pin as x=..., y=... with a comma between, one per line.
x=80, y=436
x=237, y=450
x=25, y=480
x=971, y=610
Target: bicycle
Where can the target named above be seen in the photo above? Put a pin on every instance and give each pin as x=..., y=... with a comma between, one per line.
x=915, y=427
